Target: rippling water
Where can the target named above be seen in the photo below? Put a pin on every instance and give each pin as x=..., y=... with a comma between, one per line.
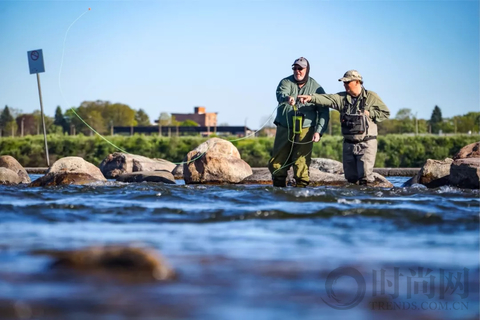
x=244, y=251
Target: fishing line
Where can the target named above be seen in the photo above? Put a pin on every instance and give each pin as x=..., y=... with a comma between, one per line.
x=253, y=133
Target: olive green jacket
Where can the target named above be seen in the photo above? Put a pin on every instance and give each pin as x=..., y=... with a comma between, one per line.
x=317, y=117
x=342, y=102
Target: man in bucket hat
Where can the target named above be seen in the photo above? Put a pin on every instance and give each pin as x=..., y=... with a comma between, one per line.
x=298, y=126
x=360, y=111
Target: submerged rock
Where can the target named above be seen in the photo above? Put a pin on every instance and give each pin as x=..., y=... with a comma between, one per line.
x=148, y=176
x=132, y=263
x=70, y=170
x=215, y=161
x=119, y=163
x=11, y=163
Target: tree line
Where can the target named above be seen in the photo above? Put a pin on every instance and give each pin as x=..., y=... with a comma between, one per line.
x=393, y=150
x=100, y=115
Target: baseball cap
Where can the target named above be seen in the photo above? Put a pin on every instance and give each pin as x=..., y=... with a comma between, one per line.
x=302, y=62
x=351, y=75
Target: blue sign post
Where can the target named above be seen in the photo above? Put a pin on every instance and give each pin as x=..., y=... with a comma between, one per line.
x=35, y=63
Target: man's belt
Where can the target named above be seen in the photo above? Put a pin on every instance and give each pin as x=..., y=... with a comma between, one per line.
x=364, y=139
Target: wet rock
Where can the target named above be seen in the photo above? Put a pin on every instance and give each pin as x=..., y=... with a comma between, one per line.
x=215, y=161
x=465, y=173
x=178, y=171
x=469, y=151
x=433, y=174
x=9, y=177
x=327, y=165
x=119, y=163
x=70, y=170
x=130, y=263
x=259, y=176
x=11, y=163
x=317, y=178
x=148, y=176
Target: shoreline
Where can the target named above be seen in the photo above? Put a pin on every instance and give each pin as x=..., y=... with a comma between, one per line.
x=386, y=172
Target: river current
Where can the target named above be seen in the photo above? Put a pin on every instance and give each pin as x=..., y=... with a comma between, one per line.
x=246, y=251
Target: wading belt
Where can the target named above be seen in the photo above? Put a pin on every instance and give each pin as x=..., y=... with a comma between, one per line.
x=367, y=138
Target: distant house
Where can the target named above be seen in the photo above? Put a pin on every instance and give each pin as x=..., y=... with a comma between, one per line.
x=200, y=116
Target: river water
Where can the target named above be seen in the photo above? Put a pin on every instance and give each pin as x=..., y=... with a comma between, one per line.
x=246, y=251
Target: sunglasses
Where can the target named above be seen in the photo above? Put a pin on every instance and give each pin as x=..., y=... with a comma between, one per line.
x=297, y=69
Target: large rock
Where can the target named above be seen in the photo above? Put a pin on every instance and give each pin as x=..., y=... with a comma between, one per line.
x=11, y=163
x=317, y=178
x=215, y=161
x=119, y=163
x=469, y=151
x=70, y=170
x=433, y=174
x=148, y=176
x=465, y=173
x=133, y=263
x=327, y=165
x=8, y=177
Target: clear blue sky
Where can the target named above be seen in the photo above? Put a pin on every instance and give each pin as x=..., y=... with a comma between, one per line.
x=229, y=56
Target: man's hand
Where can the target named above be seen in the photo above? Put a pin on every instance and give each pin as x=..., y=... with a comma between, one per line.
x=367, y=113
x=316, y=137
x=290, y=101
x=304, y=98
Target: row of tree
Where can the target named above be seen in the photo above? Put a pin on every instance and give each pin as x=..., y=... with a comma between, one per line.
x=100, y=115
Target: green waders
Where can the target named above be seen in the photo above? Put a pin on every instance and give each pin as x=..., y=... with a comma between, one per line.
x=285, y=155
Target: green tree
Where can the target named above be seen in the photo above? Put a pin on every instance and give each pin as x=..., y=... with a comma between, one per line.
x=188, y=123
x=142, y=118
x=60, y=120
x=164, y=119
x=7, y=122
x=405, y=120
x=436, y=119
x=334, y=123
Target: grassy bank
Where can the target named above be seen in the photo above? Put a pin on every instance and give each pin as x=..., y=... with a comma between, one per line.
x=393, y=150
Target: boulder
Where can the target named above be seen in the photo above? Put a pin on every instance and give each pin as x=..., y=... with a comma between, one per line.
x=327, y=165
x=215, y=161
x=465, y=173
x=148, y=176
x=11, y=163
x=317, y=178
x=8, y=177
x=133, y=263
x=433, y=174
x=469, y=151
x=70, y=170
x=119, y=163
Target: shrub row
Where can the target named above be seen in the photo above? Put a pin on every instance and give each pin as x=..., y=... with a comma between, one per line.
x=393, y=150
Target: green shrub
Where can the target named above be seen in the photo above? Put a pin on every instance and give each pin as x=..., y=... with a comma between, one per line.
x=393, y=150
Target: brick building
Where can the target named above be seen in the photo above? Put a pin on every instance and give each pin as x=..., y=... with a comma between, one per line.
x=204, y=119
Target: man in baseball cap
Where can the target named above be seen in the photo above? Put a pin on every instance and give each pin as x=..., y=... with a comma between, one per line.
x=360, y=111
x=298, y=126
